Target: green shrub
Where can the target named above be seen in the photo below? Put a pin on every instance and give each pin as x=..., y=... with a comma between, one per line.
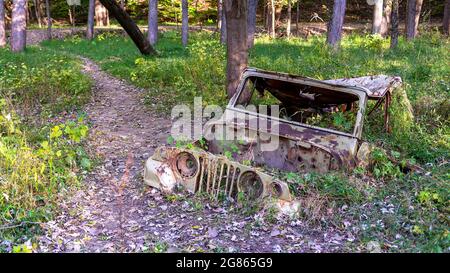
x=33, y=173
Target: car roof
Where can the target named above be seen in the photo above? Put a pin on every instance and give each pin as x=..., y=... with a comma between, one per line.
x=376, y=86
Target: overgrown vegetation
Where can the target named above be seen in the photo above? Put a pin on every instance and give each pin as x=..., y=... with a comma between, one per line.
x=403, y=211
x=178, y=74
x=39, y=157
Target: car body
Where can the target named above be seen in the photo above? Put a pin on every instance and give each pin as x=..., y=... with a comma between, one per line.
x=319, y=130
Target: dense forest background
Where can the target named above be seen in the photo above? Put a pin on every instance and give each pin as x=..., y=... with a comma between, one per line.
x=204, y=12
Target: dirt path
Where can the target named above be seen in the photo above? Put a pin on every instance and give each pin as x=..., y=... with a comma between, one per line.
x=115, y=212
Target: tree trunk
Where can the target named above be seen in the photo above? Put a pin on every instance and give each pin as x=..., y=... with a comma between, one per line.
x=49, y=19
x=264, y=15
x=251, y=22
x=337, y=21
x=289, y=14
x=28, y=12
x=37, y=12
x=122, y=4
x=152, y=21
x=377, y=17
x=272, y=18
x=223, y=26
x=90, y=22
x=297, y=18
x=219, y=15
x=446, y=21
x=18, y=26
x=2, y=24
x=130, y=27
x=101, y=14
x=237, y=53
x=394, y=23
x=72, y=18
x=412, y=18
x=386, y=20
x=184, y=22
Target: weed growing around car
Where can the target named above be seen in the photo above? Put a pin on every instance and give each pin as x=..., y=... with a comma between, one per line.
x=384, y=204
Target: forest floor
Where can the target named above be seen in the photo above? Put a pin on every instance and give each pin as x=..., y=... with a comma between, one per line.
x=115, y=212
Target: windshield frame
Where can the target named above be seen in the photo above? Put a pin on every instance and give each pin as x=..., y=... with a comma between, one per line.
x=360, y=92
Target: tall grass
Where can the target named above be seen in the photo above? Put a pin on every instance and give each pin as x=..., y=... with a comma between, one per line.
x=38, y=158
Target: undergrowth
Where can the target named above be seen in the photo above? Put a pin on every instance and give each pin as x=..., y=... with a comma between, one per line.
x=39, y=158
x=403, y=211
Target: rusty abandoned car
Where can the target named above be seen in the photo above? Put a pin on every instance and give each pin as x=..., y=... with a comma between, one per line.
x=318, y=128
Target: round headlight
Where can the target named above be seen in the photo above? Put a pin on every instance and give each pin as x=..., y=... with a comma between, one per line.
x=186, y=164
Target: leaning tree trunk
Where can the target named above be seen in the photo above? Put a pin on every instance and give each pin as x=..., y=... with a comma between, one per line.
x=251, y=22
x=19, y=25
x=2, y=24
x=49, y=19
x=446, y=21
x=184, y=22
x=394, y=24
x=412, y=18
x=386, y=20
x=237, y=53
x=223, y=26
x=90, y=21
x=289, y=14
x=272, y=18
x=377, y=17
x=152, y=21
x=130, y=26
x=337, y=21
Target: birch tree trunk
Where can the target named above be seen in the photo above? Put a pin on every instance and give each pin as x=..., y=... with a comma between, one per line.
x=184, y=22
x=251, y=22
x=130, y=27
x=289, y=14
x=446, y=21
x=219, y=15
x=18, y=26
x=237, y=53
x=377, y=17
x=337, y=21
x=90, y=21
x=49, y=19
x=2, y=24
x=272, y=18
x=394, y=23
x=412, y=18
x=386, y=21
x=152, y=21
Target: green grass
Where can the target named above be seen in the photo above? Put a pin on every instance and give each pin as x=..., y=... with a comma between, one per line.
x=41, y=80
x=38, y=158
